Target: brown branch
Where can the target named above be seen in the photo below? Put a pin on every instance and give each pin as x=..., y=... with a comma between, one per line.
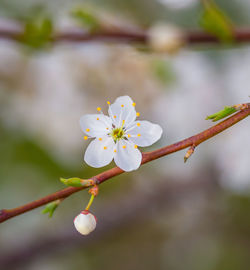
x=122, y=36
x=161, y=198
x=147, y=157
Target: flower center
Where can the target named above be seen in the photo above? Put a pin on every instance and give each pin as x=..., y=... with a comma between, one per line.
x=117, y=134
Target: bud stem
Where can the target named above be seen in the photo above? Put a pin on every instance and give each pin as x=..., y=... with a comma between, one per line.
x=90, y=202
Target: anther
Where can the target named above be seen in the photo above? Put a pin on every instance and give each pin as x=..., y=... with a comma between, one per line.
x=100, y=139
x=115, y=150
x=87, y=129
x=135, y=146
x=105, y=147
x=133, y=104
x=128, y=135
x=97, y=118
x=138, y=124
x=98, y=109
x=85, y=138
x=114, y=116
x=108, y=102
x=138, y=134
x=122, y=105
x=124, y=146
x=137, y=114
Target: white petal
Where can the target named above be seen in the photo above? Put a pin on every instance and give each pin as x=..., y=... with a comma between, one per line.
x=100, y=152
x=85, y=223
x=95, y=125
x=128, y=158
x=144, y=133
x=122, y=109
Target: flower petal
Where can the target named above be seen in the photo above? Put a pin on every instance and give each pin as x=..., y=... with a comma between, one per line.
x=100, y=152
x=144, y=133
x=95, y=125
x=122, y=109
x=127, y=156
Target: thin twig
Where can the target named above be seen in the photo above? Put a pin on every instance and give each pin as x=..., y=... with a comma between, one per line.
x=147, y=157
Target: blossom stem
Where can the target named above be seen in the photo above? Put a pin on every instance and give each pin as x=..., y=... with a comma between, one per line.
x=90, y=202
x=147, y=157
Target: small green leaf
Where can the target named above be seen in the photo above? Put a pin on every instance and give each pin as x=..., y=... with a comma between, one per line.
x=51, y=207
x=72, y=182
x=87, y=18
x=37, y=33
x=221, y=114
x=216, y=22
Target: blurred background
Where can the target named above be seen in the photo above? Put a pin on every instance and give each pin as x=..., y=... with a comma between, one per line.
x=166, y=215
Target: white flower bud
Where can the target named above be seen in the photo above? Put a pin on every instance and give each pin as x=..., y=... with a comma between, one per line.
x=165, y=38
x=85, y=222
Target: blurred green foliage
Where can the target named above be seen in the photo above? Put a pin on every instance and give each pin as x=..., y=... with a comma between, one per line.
x=216, y=22
x=86, y=18
x=163, y=71
x=37, y=33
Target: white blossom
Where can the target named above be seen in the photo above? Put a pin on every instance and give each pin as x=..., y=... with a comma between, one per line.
x=118, y=135
x=85, y=222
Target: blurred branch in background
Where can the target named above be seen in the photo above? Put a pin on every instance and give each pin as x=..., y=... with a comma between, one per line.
x=190, y=37
x=147, y=157
x=115, y=215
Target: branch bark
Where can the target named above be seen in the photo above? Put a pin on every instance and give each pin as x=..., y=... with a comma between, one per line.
x=122, y=36
x=195, y=140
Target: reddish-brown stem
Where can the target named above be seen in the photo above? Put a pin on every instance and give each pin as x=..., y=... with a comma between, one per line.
x=147, y=157
x=122, y=36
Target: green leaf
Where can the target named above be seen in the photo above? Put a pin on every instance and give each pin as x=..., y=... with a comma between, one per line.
x=50, y=208
x=72, y=182
x=221, y=114
x=216, y=22
x=37, y=33
x=87, y=18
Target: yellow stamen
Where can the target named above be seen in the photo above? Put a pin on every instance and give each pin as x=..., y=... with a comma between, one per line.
x=138, y=134
x=135, y=146
x=137, y=114
x=124, y=146
x=122, y=105
x=114, y=116
x=123, y=122
x=138, y=124
x=115, y=150
x=107, y=128
x=85, y=137
x=98, y=109
x=100, y=139
x=133, y=104
x=105, y=147
x=87, y=129
x=97, y=118
x=128, y=135
x=108, y=102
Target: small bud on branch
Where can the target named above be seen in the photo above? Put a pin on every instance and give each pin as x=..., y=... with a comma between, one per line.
x=77, y=182
x=190, y=151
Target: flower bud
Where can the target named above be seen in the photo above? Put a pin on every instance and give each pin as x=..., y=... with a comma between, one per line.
x=85, y=222
x=165, y=38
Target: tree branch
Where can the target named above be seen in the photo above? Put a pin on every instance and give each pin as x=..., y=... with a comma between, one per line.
x=147, y=157
x=121, y=36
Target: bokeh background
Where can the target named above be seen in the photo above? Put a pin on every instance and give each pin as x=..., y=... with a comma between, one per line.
x=166, y=215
